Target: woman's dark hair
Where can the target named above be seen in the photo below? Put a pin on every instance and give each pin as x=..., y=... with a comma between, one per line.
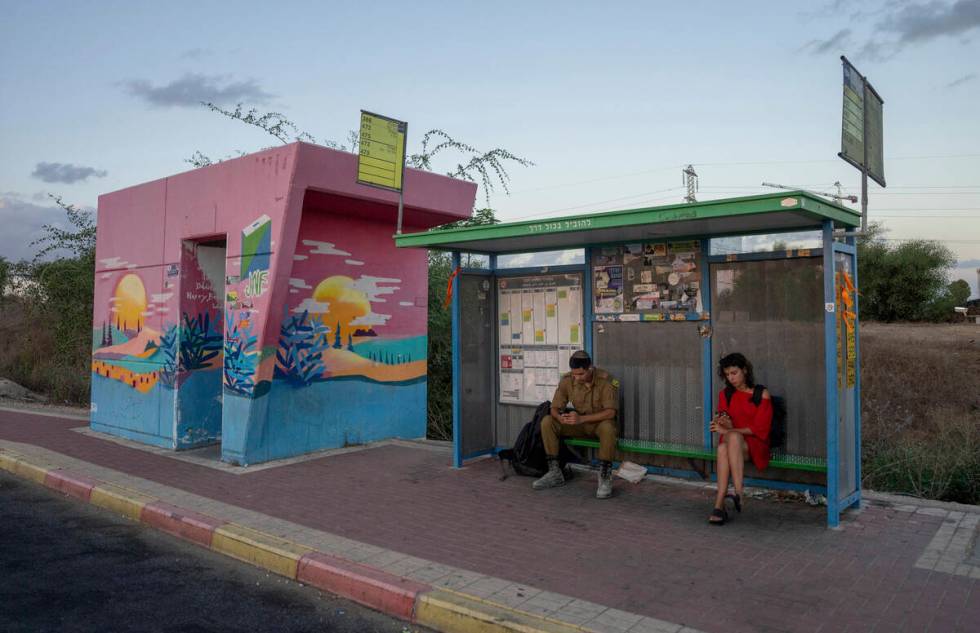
x=736, y=360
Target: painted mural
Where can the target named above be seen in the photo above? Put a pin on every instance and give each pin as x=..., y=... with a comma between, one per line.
x=349, y=362
x=140, y=348
x=350, y=318
x=131, y=381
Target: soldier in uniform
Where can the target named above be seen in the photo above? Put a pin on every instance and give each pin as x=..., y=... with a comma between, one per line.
x=584, y=405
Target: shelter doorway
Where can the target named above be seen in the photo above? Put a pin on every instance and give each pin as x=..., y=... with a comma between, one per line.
x=200, y=343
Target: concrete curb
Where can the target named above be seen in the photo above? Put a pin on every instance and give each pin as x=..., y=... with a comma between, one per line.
x=400, y=597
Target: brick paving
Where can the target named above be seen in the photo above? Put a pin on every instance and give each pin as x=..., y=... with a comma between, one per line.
x=647, y=552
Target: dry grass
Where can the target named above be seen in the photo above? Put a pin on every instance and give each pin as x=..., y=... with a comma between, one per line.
x=28, y=357
x=920, y=409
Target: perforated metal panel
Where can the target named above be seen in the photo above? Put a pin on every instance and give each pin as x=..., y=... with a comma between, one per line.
x=476, y=363
x=772, y=312
x=511, y=418
x=659, y=369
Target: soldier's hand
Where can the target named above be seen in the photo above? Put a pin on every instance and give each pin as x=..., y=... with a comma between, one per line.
x=570, y=418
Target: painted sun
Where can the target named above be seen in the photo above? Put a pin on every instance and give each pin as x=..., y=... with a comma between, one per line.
x=346, y=302
x=129, y=303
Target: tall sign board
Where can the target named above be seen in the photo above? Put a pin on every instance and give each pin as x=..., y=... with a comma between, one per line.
x=381, y=153
x=862, y=131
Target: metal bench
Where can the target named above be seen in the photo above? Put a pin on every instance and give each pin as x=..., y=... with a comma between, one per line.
x=778, y=459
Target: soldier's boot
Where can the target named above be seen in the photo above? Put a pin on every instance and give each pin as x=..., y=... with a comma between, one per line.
x=550, y=479
x=604, y=490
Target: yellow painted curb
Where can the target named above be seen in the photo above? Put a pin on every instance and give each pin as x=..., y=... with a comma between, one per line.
x=262, y=550
x=18, y=465
x=449, y=611
x=124, y=501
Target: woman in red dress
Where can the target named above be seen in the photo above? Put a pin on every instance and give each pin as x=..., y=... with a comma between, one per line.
x=743, y=428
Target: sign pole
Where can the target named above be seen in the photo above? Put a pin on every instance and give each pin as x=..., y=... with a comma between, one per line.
x=401, y=202
x=864, y=164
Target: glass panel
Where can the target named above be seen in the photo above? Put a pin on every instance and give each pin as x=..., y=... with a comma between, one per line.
x=544, y=258
x=473, y=260
x=772, y=311
x=740, y=244
x=846, y=375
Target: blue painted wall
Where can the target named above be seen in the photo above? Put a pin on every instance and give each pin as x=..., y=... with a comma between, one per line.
x=121, y=410
x=292, y=420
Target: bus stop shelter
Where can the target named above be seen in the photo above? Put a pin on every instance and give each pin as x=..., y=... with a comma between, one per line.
x=657, y=296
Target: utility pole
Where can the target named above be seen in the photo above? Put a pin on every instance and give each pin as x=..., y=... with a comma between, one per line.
x=690, y=179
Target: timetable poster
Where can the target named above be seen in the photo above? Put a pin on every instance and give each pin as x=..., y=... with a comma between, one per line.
x=541, y=325
x=653, y=281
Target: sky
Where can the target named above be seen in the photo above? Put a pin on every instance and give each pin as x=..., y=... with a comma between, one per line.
x=609, y=100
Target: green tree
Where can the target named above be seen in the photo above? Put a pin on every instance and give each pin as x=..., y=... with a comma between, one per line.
x=51, y=349
x=959, y=292
x=5, y=270
x=906, y=281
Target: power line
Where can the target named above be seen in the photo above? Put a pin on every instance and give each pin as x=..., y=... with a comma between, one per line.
x=926, y=239
x=919, y=217
x=726, y=164
x=591, y=204
x=604, y=178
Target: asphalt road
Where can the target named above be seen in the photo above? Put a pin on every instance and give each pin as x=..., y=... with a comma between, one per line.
x=68, y=566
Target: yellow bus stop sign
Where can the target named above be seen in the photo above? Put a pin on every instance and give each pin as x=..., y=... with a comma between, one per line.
x=381, y=159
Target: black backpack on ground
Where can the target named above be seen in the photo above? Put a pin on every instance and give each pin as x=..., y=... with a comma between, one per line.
x=528, y=457
x=777, y=432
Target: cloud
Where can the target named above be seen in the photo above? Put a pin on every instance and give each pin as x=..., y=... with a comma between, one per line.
x=915, y=23
x=22, y=222
x=299, y=283
x=163, y=297
x=312, y=306
x=196, y=53
x=353, y=262
x=193, y=88
x=835, y=43
x=961, y=80
x=324, y=248
x=66, y=172
x=299, y=258
x=114, y=262
x=370, y=287
x=371, y=319
x=406, y=303
x=902, y=24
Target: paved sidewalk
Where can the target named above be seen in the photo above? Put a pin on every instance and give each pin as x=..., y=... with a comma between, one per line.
x=643, y=561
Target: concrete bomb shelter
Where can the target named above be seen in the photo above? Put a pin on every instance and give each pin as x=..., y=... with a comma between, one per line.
x=260, y=303
x=657, y=296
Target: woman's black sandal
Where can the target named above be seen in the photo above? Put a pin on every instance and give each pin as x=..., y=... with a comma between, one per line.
x=737, y=499
x=721, y=514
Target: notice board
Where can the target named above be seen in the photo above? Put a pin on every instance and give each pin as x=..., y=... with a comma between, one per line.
x=651, y=281
x=541, y=324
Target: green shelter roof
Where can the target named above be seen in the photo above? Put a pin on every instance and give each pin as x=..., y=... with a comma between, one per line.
x=769, y=213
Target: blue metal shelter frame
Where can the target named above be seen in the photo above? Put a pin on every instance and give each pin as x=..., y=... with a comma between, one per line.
x=841, y=452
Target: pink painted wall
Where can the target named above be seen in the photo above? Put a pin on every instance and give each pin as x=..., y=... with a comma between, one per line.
x=141, y=231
